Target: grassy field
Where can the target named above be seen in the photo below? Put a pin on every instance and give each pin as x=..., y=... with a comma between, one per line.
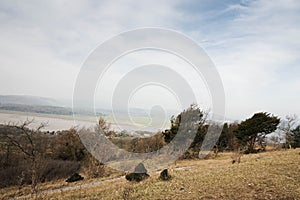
x=269, y=175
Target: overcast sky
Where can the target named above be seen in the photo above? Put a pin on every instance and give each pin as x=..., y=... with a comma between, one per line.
x=255, y=45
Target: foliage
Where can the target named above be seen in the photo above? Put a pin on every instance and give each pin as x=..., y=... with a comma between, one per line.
x=192, y=114
x=225, y=140
x=296, y=137
x=104, y=128
x=69, y=146
x=32, y=156
x=140, y=145
x=255, y=129
x=185, y=121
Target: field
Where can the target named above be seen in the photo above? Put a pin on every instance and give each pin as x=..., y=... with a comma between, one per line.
x=269, y=175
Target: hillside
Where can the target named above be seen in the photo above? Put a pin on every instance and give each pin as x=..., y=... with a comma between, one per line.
x=28, y=100
x=35, y=104
x=270, y=175
x=56, y=110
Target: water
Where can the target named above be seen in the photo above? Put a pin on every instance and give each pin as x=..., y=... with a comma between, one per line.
x=62, y=122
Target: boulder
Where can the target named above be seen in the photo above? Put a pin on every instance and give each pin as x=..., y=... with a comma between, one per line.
x=164, y=175
x=140, y=168
x=139, y=174
x=75, y=177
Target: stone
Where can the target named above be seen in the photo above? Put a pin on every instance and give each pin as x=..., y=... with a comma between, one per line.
x=75, y=177
x=164, y=175
x=140, y=168
x=137, y=177
x=139, y=174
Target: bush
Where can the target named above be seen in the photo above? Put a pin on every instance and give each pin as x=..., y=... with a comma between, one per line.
x=48, y=170
x=14, y=175
x=57, y=169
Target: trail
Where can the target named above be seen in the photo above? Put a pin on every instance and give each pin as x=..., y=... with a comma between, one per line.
x=84, y=185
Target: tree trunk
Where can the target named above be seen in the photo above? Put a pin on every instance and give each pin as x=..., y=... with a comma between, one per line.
x=34, y=175
x=251, y=144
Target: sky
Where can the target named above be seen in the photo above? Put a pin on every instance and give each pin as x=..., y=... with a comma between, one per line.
x=254, y=45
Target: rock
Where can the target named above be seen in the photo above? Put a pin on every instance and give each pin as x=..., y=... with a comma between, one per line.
x=164, y=175
x=139, y=174
x=136, y=177
x=140, y=168
x=75, y=177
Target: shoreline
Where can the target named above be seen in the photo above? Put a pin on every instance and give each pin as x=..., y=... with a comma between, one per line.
x=65, y=122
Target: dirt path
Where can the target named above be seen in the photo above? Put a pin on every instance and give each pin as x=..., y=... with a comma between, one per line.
x=67, y=188
x=85, y=185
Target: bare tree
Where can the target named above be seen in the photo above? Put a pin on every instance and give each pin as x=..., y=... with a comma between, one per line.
x=104, y=127
x=276, y=141
x=287, y=126
x=28, y=146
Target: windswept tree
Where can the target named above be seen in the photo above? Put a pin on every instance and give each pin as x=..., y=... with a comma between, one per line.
x=255, y=129
x=192, y=114
x=191, y=118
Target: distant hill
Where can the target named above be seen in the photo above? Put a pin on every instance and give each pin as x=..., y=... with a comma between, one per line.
x=28, y=100
x=56, y=110
x=34, y=104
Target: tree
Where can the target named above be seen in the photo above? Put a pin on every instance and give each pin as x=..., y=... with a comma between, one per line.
x=104, y=127
x=169, y=134
x=255, y=129
x=286, y=126
x=275, y=139
x=232, y=142
x=295, y=137
x=193, y=117
x=223, y=140
x=29, y=145
x=69, y=146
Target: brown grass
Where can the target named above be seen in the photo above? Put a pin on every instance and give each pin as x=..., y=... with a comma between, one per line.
x=270, y=175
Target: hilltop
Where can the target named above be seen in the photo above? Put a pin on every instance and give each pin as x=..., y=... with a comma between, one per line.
x=269, y=175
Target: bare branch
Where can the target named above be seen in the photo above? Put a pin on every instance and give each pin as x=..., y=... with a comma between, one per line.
x=17, y=144
x=27, y=123
x=41, y=126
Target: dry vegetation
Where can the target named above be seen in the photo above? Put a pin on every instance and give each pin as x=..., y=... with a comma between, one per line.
x=269, y=175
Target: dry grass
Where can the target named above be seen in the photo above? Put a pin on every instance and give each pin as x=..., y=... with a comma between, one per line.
x=270, y=175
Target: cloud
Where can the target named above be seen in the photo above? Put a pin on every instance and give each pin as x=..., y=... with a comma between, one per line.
x=255, y=44
x=256, y=53
x=42, y=38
